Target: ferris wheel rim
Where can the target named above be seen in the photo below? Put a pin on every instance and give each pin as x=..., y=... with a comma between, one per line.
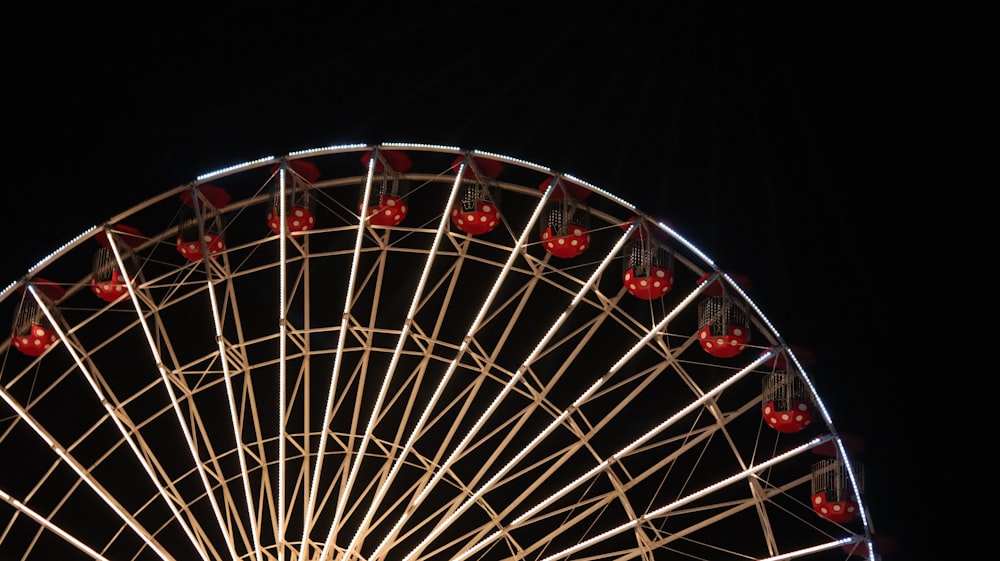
x=177, y=278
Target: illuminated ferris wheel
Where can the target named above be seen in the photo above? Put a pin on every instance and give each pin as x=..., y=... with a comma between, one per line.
x=404, y=352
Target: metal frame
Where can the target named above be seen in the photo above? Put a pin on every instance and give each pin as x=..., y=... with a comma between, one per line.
x=405, y=393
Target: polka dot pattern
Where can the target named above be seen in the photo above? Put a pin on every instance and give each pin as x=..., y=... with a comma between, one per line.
x=836, y=511
x=299, y=221
x=109, y=290
x=569, y=245
x=658, y=283
x=36, y=341
x=732, y=343
x=788, y=421
x=192, y=249
x=389, y=212
x=482, y=220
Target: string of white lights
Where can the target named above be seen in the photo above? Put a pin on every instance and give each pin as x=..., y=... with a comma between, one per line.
x=51, y=526
x=512, y=257
x=338, y=356
x=393, y=361
x=175, y=402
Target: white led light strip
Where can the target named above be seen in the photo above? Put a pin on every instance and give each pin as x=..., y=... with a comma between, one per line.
x=626, y=450
x=403, y=336
x=84, y=475
x=48, y=525
x=514, y=254
x=114, y=416
x=234, y=418
x=664, y=510
x=282, y=356
x=442, y=525
x=220, y=341
x=814, y=549
x=342, y=337
x=175, y=404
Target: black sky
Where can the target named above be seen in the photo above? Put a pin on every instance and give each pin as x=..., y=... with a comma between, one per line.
x=839, y=155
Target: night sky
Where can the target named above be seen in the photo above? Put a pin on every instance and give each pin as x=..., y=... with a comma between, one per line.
x=841, y=156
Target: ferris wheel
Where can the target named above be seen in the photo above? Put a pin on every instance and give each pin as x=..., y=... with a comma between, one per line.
x=407, y=352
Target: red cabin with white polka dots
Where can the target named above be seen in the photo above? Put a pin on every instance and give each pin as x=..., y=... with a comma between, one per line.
x=189, y=240
x=723, y=322
x=787, y=405
x=33, y=333
x=299, y=220
x=35, y=339
x=299, y=216
x=566, y=231
x=107, y=281
x=477, y=211
x=833, y=496
x=836, y=511
x=648, y=263
x=387, y=201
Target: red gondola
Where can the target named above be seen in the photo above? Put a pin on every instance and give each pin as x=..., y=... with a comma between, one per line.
x=387, y=202
x=477, y=211
x=723, y=322
x=566, y=231
x=33, y=333
x=189, y=243
x=833, y=496
x=107, y=280
x=298, y=204
x=648, y=263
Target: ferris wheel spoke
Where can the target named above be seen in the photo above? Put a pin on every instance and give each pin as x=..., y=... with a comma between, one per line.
x=227, y=354
x=231, y=355
x=282, y=294
x=84, y=475
x=170, y=380
x=446, y=379
x=667, y=509
x=606, y=463
x=140, y=298
x=46, y=523
x=403, y=336
x=541, y=437
x=723, y=419
x=661, y=538
x=343, y=331
x=116, y=413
